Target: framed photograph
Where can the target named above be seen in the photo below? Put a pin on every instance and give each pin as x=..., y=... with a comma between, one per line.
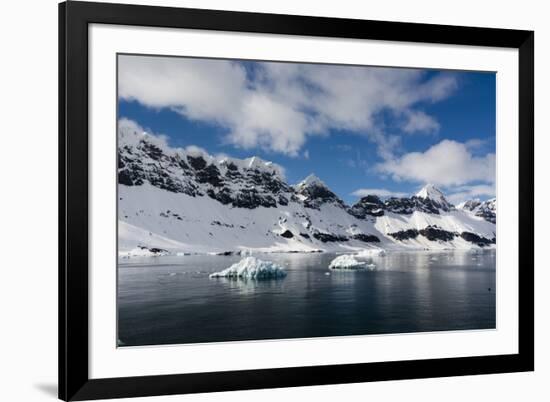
x=257, y=201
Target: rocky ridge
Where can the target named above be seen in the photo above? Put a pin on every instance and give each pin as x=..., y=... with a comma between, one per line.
x=307, y=214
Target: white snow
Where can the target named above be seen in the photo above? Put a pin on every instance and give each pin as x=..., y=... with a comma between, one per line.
x=141, y=252
x=429, y=191
x=475, y=205
x=311, y=180
x=180, y=223
x=252, y=268
x=257, y=230
x=375, y=252
x=469, y=205
x=348, y=262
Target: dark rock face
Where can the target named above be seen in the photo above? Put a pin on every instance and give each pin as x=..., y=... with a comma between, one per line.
x=428, y=205
x=210, y=174
x=317, y=195
x=408, y=205
x=124, y=177
x=223, y=196
x=287, y=234
x=367, y=238
x=488, y=211
x=328, y=237
x=153, y=151
x=133, y=171
x=475, y=239
x=232, y=167
x=471, y=205
x=180, y=162
x=282, y=200
x=193, y=175
x=370, y=205
x=405, y=234
x=488, y=216
x=268, y=182
x=250, y=198
x=434, y=233
x=154, y=250
x=399, y=205
x=196, y=162
x=233, y=174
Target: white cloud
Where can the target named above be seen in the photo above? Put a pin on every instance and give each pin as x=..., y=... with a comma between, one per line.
x=130, y=132
x=276, y=106
x=381, y=192
x=197, y=151
x=448, y=163
x=420, y=122
x=475, y=143
x=306, y=154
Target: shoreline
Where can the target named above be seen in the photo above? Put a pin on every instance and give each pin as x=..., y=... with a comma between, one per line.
x=124, y=255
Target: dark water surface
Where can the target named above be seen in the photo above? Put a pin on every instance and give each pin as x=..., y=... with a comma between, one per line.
x=169, y=300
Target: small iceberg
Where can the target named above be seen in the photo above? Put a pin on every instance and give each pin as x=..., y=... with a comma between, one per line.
x=252, y=268
x=348, y=262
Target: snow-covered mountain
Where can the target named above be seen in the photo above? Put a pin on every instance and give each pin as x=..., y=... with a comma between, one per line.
x=486, y=209
x=430, y=192
x=184, y=200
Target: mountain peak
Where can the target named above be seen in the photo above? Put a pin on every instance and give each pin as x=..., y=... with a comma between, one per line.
x=469, y=205
x=431, y=192
x=257, y=163
x=311, y=180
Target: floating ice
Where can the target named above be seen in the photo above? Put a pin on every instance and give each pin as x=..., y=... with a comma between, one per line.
x=252, y=268
x=349, y=262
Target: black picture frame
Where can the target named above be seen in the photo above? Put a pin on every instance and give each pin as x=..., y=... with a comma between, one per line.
x=74, y=18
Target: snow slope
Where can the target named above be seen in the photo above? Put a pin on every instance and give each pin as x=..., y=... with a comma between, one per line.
x=184, y=200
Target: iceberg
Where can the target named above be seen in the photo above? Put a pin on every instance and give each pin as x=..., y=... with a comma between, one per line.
x=252, y=268
x=348, y=262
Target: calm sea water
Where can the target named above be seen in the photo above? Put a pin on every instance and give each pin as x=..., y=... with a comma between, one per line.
x=171, y=300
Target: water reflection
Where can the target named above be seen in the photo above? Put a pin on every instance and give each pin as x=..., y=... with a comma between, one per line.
x=172, y=300
x=246, y=286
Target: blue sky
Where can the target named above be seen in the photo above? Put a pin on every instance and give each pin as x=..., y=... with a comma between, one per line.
x=360, y=129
